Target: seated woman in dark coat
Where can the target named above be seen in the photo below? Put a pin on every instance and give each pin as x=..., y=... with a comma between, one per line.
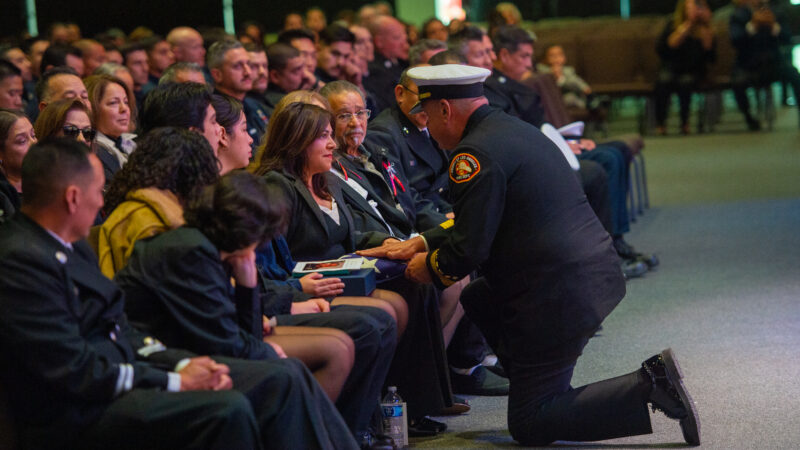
x=296, y=158
x=193, y=293
x=16, y=137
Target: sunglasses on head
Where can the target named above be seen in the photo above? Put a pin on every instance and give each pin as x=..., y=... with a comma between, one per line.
x=73, y=131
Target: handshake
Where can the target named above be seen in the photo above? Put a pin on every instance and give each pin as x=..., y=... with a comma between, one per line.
x=412, y=250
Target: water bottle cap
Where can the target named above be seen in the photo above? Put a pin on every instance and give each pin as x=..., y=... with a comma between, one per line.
x=392, y=388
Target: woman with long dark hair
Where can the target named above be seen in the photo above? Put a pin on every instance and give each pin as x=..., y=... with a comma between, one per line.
x=16, y=137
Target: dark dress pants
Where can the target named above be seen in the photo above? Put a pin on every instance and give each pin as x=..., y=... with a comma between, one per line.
x=542, y=406
x=615, y=165
x=594, y=182
x=374, y=334
x=419, y=368
x=153, y=419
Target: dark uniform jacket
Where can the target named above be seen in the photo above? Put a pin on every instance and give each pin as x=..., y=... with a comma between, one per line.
x=272, y=96
x=402, y=208
x=418, y=158
x=523, y=221
x=9, y=199
x=63, y=334
x=257, y=114
x=307, y=234
x=514, y=98
x=383, y=77
x=178, y=288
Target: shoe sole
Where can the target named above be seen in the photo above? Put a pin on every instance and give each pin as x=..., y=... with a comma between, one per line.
x=690, y=425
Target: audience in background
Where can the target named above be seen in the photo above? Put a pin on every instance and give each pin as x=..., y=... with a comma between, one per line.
x=686, y=48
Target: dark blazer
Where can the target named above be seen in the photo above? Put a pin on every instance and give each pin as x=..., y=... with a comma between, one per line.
x=110, y=162
x=524, y=221
x=178, y=289
x=257, y=114
x=272, y=96
x=63, y=332
x=9, y=199
x=514, y=98
x=401, y=207
x=420, y=159
x=307, y=234
x=383, y=77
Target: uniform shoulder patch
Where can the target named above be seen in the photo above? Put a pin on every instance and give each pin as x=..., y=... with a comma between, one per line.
x=464, y=167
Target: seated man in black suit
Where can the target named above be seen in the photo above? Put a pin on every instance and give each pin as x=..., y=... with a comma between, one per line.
x=391, y=58
x=75, y=365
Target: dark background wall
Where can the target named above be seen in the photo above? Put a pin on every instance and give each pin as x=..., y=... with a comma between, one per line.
x=94, y=16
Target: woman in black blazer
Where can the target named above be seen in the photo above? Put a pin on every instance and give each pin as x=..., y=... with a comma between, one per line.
x=296, y=158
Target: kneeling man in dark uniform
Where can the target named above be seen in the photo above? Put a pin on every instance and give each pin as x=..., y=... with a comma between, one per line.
x=549, y=273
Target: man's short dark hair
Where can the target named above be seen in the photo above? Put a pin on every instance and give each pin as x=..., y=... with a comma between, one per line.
x=510, y=38
x=150, y=42
x=56, y=55
x=447, y=57
x=8, y=70
x=287, y=36
x=171, y=72
x=336, y=33
x=181, y=105
x=43, y=86
x=50, y=166
x=422, y=46
x=129, y=48
x=253, y=47
x=279, y=54
x=460, y=40
x=239, y=210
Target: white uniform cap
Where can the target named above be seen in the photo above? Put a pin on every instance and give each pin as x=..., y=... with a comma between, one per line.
x=448, y=81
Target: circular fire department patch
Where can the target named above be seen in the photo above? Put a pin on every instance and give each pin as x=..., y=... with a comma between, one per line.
x=464, y=167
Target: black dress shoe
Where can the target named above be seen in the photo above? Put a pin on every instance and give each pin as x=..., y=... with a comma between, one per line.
x=670, y=396
x=480, y=382
x=425, y=427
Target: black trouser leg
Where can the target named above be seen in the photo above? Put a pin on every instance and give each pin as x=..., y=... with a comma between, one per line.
x=419, y=368
x=374, y=334
x=543, y=408
x=153, y=419
x=595, y=185
x=291, y=409
x=468, y=347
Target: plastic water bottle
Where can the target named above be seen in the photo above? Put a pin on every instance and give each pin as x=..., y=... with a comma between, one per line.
x=395, y=422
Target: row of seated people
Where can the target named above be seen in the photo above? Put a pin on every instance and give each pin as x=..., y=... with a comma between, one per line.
x=144, y=200
x=369, y=198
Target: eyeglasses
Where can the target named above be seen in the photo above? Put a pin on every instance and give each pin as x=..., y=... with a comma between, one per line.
x=409, y=90
x=347, y=117
x=73, y=131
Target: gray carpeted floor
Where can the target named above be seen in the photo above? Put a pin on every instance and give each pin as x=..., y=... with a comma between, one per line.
x=726, y=298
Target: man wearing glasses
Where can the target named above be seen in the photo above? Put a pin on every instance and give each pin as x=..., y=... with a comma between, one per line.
x=385, y=199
